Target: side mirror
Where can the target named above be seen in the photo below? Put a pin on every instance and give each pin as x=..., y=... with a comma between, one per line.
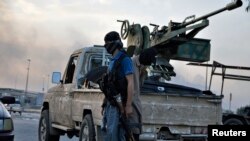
x=56, y=77
x=8, y=99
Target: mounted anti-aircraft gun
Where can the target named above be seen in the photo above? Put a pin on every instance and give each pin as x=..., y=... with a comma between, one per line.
x=175, y=41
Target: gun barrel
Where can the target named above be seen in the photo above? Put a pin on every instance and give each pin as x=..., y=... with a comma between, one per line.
x=230, y=6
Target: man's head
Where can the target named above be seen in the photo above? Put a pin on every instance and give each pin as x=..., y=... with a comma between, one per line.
x=112, y=42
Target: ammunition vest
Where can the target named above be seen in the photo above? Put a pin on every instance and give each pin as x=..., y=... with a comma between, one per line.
x=115, y=83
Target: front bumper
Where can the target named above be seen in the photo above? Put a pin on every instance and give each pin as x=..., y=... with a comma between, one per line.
x=6, y=136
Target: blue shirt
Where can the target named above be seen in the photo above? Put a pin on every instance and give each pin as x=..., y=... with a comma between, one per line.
x=126, y=65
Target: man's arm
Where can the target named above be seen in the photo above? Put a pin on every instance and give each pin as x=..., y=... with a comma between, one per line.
x=130, y=90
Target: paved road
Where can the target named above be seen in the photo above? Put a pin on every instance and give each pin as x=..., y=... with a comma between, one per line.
x=26, y=127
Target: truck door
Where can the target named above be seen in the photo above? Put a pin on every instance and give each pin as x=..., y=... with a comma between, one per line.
x=63, y=98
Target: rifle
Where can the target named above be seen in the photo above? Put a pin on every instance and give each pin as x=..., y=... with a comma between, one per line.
x=119, y=105
x=124, y=122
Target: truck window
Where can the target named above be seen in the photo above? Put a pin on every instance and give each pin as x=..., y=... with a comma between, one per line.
x=95, y=61
x=71, y=69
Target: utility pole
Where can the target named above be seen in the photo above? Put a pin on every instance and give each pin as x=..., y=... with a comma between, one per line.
x=230, y=101
x=43, y=83
x=27, y=79
x=206, y=77
x=48, y=82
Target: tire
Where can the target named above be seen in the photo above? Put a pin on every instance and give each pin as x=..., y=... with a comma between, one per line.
x=233, y=121
x=87, y=132
x=44, y=128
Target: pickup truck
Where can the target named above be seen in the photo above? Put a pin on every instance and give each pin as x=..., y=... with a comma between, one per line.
x=170, y=111
x=237, y=119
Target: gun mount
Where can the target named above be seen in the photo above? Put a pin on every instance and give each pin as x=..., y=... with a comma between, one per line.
x=175, y=41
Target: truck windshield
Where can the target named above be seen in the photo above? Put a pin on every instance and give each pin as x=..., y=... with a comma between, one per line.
x=95, y=62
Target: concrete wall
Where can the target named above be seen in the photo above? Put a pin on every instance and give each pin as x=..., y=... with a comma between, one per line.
x=29, y=98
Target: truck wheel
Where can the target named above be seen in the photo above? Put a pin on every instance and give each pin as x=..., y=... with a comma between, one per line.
x=233, y=121
x=44, y=128
x=87, y=132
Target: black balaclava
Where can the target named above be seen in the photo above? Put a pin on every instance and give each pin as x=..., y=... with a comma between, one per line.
x=112, y=42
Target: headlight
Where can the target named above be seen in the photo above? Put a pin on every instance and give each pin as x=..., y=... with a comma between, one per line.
x=6, y=124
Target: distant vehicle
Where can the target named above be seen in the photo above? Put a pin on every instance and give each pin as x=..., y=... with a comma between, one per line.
x=237, y=119
x=15, y=107
x=6, y=123
x=7, y=106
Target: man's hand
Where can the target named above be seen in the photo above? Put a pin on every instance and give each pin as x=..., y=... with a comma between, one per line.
x=128, y=110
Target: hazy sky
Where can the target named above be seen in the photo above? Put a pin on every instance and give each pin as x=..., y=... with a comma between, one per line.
x=48, y=31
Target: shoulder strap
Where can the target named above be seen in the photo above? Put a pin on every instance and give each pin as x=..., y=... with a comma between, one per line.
x=117, y=64
x=118, y=61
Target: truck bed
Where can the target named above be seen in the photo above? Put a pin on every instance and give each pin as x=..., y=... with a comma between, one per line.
x=179, y=108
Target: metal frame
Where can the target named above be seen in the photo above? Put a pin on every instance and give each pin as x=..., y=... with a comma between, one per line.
x=223, y=72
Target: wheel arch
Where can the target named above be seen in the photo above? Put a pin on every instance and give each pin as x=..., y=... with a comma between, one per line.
x=53, y=131
x=91, y=121
x=233, y=116
x=85, y=112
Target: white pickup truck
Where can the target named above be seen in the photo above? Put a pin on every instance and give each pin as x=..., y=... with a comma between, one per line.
x=170, y=112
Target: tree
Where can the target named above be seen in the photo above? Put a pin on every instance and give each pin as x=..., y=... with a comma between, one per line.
x=248, y=7
x=241, y=110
